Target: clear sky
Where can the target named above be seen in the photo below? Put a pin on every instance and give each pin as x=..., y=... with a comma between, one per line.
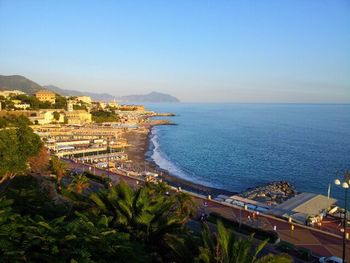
x=197, y=50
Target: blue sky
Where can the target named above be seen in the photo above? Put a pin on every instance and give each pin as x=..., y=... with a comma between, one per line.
x=200, y=51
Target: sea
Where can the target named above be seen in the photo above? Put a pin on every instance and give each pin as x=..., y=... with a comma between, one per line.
x=237, y=146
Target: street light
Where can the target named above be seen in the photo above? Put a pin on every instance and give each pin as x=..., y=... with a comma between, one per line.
x=345, y=185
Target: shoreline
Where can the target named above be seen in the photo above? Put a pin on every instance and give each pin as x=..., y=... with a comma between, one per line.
x=138, y=153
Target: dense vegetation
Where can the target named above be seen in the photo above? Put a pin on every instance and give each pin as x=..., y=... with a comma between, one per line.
x=104, y=116
x=35, y=104
x=17, y=146
x=45, y=218
x=13, y=121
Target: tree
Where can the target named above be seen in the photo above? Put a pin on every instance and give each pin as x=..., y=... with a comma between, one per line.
x=56, y=115
x=12, y=162
x=29, y=143
x=79, y=183
x=13, y=121
x=35, y=195
x=31, y=100
x=82, y=106
x=147, y=216
x=223, y=247
x=104, y=116
x=184, y=205
x=58, y=168
x=16, y=147
x=62, y=239
x=61, y=102
x=45, y=105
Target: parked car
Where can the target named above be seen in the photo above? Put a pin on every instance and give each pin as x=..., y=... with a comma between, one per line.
x=332, y=259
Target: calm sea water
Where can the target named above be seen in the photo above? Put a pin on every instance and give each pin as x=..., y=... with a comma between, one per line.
x=235, y=146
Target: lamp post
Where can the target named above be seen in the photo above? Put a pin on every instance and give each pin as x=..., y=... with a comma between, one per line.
x=108, y=157
x=345, y=185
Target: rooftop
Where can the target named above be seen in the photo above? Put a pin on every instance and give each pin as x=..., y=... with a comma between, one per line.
x=303, y=205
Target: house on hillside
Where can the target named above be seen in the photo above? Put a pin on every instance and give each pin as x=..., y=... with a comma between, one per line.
x=46, y=116
x=46, y=95
x=76, y=116
x=85, y=99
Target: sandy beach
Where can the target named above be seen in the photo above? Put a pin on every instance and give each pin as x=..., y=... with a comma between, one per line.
x=139, y=141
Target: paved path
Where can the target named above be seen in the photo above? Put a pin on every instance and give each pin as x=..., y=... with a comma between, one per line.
x=319, y=242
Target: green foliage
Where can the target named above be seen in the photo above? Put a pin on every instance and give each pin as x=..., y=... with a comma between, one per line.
x=6, y=103
x=80, y=239
x=302, y=253
x=259, y=233
x=100, y=179
x=12, y=121
x=56, y=115
x=61, y=102
x=32, y=100
x=120, y=224
x=35, y=104
x=79, y=183
x=80, y=107
x=282, y=258
x=29, y=142
x=33, y=196
x=224, y=247
x=17, y=145
x=57, y=167
x=146, y=215
x=104, y=116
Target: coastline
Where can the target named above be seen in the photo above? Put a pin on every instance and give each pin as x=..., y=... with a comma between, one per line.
x=138, y=152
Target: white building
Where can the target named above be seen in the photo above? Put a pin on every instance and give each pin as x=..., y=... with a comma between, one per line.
x=85, y=99
x=46, y=117
x=22, y=106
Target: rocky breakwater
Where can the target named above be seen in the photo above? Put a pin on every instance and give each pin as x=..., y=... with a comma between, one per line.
x=165, y=114
x=160, y=122
x=272, y=193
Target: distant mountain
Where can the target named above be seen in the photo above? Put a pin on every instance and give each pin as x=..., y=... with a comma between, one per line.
x=151, y=97
x=94, y=96
x=17, y=82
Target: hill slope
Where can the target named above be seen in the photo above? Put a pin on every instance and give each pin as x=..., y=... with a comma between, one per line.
x=93, y=95
x=19, y=83
x=151, y=97
x=28, y=86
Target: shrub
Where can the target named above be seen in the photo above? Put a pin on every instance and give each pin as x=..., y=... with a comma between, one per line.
x=245, y=229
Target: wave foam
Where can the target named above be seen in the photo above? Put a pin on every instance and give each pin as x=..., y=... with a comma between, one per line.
x=163, y=162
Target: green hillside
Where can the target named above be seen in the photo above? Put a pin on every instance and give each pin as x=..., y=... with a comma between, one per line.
x=17, y=82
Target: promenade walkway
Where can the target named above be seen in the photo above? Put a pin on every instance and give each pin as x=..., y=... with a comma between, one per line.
x=320, y=242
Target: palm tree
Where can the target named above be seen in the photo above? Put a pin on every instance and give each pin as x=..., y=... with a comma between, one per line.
x=79, y=183
x=147, y=216
x=63, y=239
x=58, y=168
x=184, y=205
x=223, y=247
